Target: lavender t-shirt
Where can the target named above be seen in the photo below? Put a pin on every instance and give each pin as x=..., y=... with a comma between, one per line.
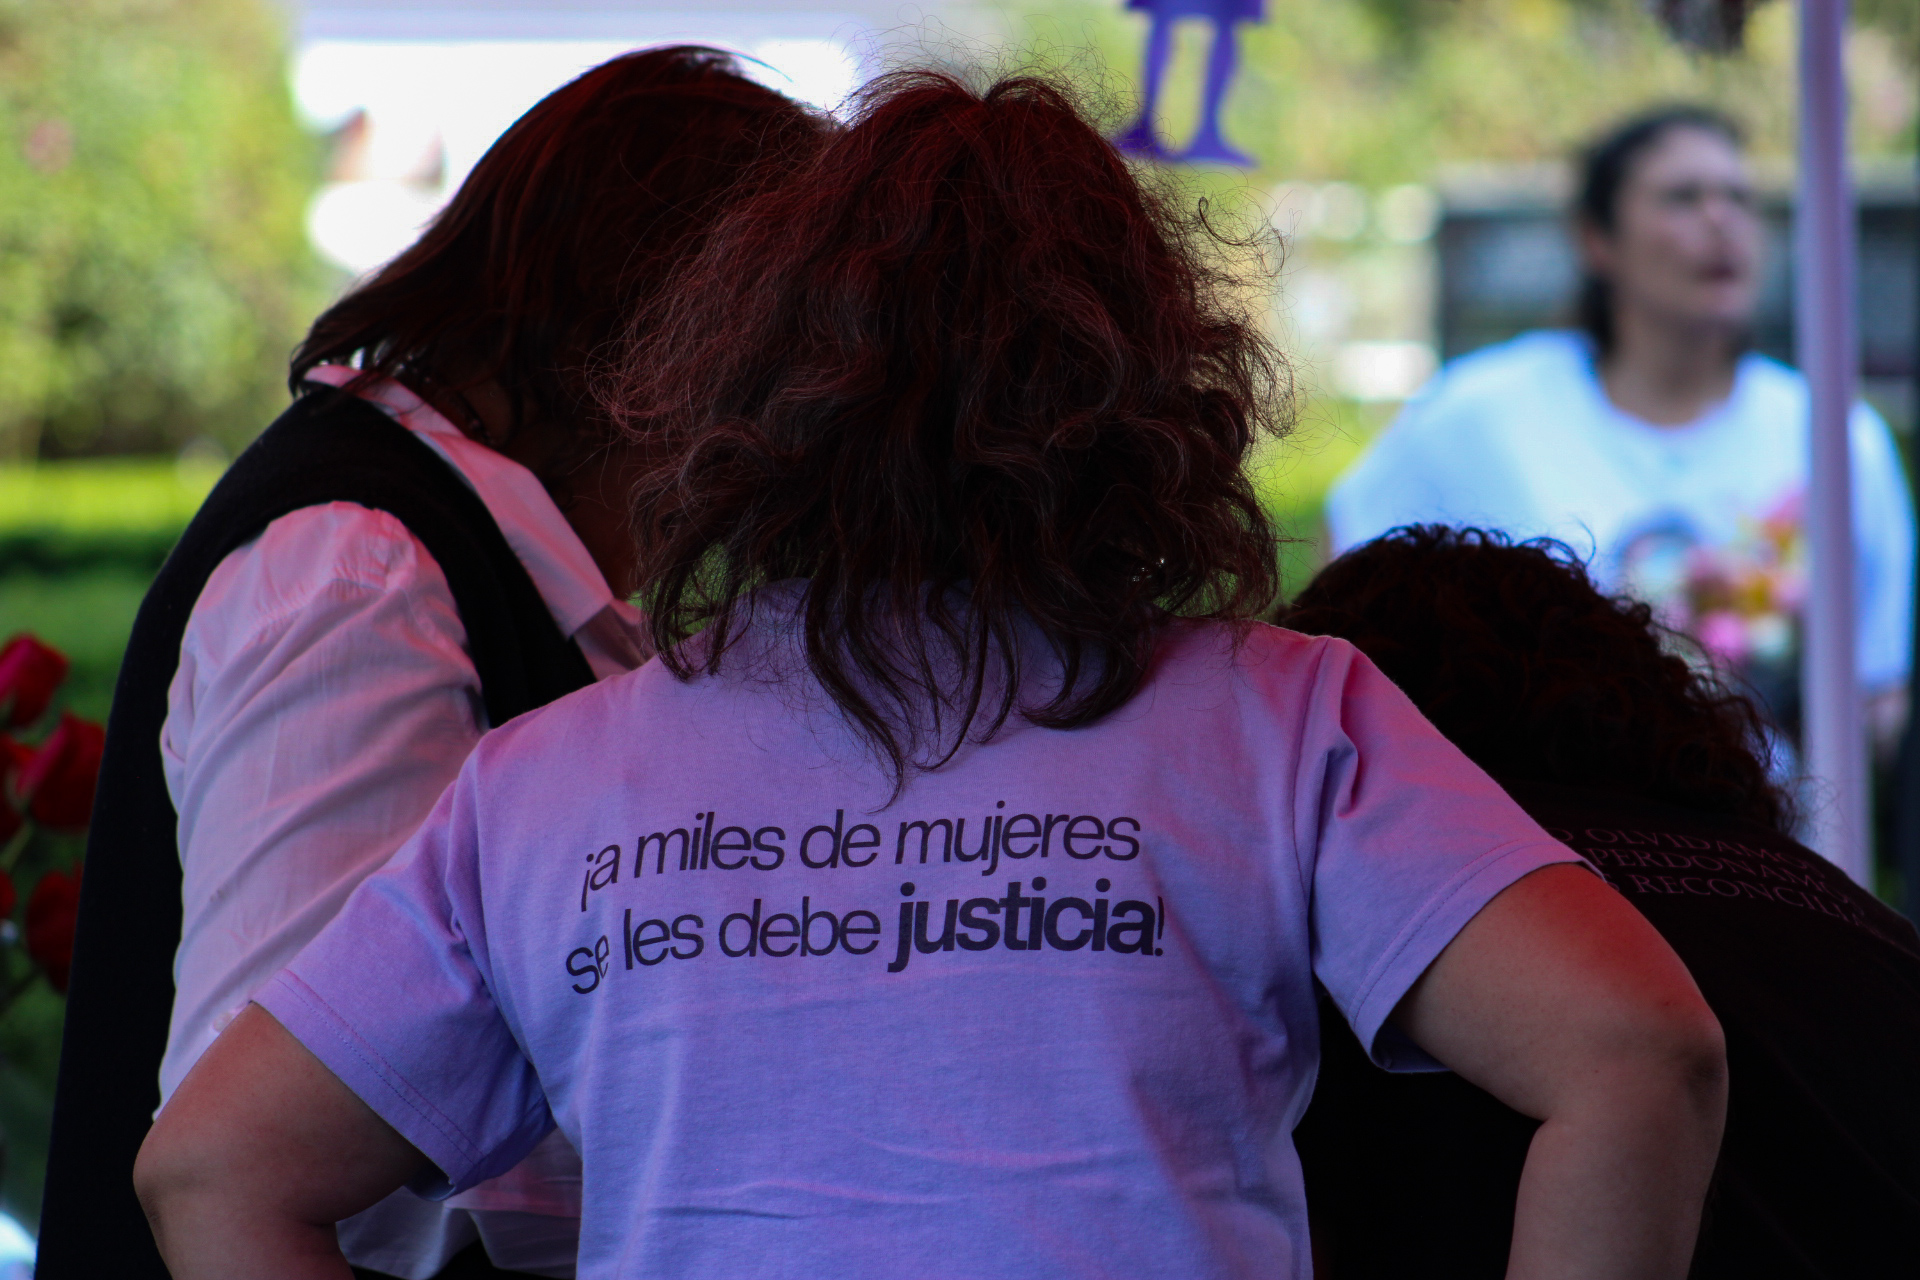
x=1049, y=1013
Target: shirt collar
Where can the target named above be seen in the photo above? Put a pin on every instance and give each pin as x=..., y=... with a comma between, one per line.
x=564, y=573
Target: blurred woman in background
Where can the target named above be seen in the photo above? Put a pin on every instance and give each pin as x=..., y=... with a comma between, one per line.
x=1652, y=437
x=430, y=541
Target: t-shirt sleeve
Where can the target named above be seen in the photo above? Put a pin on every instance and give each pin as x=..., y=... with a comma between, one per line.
x=1409, y=840
x=1884, y=533
x=393, y=997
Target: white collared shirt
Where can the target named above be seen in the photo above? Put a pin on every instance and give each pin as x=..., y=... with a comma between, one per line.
x=323, y=701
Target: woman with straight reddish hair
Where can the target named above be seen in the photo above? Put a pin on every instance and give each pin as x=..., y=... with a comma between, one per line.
x=429, y=542
x=950, y=895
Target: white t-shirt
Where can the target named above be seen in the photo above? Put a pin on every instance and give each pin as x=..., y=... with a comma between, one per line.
x=1521, y=437
x=324, y=699
x=797, y=1031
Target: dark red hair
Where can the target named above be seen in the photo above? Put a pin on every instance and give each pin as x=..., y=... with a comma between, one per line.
x=961, y=372
x=570, y=221
x=1537, y=676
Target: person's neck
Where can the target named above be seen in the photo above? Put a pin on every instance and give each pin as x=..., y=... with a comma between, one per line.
x=1667, y=373
x=590, y=497
x=480, y=409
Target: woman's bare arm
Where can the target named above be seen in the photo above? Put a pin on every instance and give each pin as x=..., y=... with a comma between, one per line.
x=256, y=1156
x=1563, y=1002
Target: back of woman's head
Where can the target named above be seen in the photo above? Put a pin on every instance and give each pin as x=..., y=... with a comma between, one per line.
x=1524, y=665
x=962, y=373
x=571, y=220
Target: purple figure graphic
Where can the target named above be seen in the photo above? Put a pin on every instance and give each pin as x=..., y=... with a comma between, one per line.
x=1208, y=146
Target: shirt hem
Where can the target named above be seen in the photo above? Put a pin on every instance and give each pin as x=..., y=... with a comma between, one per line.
x=313, y=1022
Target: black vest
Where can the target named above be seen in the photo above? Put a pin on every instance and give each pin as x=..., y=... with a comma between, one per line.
x=328, y=447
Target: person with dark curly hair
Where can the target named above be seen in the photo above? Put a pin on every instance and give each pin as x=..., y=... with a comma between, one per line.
x=933, y=906
x=1587, y=711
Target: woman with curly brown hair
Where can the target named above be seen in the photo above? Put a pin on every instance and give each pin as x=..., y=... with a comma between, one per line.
x=949, y=898
x=1654, y=771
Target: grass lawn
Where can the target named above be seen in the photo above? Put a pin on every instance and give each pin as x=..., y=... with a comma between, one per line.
x=107, y=495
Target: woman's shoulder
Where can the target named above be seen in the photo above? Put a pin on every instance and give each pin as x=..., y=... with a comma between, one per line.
x=1772, y=396
x=580, y=735
x=1480, y=399
x=336, y=542
x=1765, y=387
x=1279, y=693
x=1549, y=361
x=313, y=553
x=1271, y=663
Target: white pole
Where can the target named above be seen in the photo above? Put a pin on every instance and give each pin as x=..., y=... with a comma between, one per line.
x=1834, y=735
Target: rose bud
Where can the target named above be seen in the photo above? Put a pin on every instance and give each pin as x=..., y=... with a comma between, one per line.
x=58, y=781
x=29, y=673
x=51, y=914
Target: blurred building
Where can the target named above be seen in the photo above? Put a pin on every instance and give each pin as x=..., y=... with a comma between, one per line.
x=1357, y=286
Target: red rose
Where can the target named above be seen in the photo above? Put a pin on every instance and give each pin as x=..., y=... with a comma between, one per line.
x=51, y=913
x=29, y=673
x=13, y=758
x=58, y=781
x=8, y=898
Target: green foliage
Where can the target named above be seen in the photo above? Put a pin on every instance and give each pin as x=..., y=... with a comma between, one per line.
x=79, y=542
x=1292, y=476
x=1900, y=19
x=1387, y=91
x=154, y=269
x=104, y=495
x=87, y=616
x=29, y=1059
x=31, y=1016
